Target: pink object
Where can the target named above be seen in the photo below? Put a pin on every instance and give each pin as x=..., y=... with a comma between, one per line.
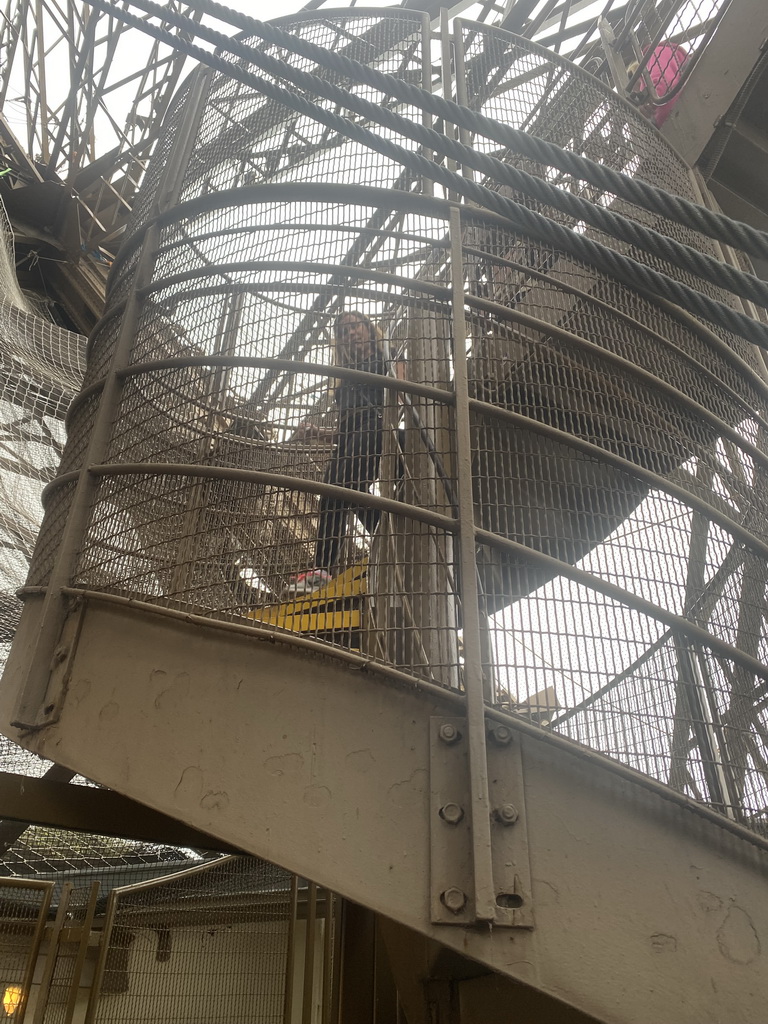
x=306, y=582
x=665, y=66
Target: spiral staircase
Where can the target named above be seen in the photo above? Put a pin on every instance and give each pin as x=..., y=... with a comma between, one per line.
x=523, y=729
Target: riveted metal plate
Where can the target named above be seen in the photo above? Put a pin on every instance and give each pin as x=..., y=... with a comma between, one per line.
x=451, y=868
x=450, y=839
x=509, y=833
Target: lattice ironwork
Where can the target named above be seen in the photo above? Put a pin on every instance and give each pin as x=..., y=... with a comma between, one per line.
x=317, y=377
x=235, y=937
x=215, y=941
x=84, y=96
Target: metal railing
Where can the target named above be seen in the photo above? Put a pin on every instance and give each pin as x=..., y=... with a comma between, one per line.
x=546, y=490
x=647, y=49
x=653, y=54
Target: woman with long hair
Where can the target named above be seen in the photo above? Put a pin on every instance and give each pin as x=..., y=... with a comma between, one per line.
x=358, y=443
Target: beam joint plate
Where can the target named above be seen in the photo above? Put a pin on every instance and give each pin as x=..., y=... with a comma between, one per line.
x=451, y=851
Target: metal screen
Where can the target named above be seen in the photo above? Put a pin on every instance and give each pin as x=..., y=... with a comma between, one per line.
x=41, y=370
x=582, y=462
x=232, y=939
x=210, y=944
x=23, y=911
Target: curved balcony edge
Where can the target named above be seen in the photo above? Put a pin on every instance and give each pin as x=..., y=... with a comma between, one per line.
x=344, y=776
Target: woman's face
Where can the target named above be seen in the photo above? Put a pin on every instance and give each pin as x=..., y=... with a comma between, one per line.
x=354, y=338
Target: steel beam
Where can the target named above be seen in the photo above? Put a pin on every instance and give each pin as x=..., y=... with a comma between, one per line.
x=324, y=769
x=57, y=804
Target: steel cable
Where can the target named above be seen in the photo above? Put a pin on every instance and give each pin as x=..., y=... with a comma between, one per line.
x=734, y=233
x=628, y=271
x=624, y=229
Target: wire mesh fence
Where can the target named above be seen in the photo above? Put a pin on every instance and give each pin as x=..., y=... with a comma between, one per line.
x=41, y=369
x=287, y=443
x=112, y=936
x=208, y=944
x=23, y=914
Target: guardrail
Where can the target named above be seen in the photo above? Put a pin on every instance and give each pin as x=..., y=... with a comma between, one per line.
x=542, y=485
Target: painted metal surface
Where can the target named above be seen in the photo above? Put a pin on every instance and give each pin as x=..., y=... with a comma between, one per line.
x=568, y=538
x=324, y=770
x=557, y=449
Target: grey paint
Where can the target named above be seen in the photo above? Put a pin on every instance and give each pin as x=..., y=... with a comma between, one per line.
x=717, y=77
x=642, y=910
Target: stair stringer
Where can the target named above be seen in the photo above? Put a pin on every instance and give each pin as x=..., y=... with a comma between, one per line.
x=642, y=910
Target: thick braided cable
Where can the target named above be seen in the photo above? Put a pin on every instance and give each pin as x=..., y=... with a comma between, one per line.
x=628, y=271
x=650, y=197
x=626, y=230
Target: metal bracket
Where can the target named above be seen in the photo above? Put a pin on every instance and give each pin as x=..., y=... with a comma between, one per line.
x=451, y=867
x=62, y=660
x=509, y=828
x=613, y=57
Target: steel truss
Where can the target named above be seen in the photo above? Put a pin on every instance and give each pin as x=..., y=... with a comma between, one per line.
x=83, y=95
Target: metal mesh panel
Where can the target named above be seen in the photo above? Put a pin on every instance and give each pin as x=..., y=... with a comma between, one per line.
x=535, y=91
x=638, y=33
x=153, y=176
x=209, y=944
x=276, y=464
x=60, y=856
x=101, y=347
x=41, y=368
x=665, y=43
x=23, y=909
x=245, y=139
x=60, y=987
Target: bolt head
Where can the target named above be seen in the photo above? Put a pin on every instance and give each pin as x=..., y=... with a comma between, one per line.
x=454, y=899
x=507, y=814
x=501, y=734
x=60, y=654
x=449, y=733
x=452, y=813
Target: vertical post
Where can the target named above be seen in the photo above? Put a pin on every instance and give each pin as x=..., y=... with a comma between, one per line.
x=36, y=708
x=290, y=964
x=328, y=958
x=338, y=957
x=41, y=78
x=428, y=186
x=101, y=962
x=446, y=64
x=33, y=953
x=461, y=89
x=612, y=55
x=309, y=956
x=85, y=933
x=43, y=993
x=484, y=894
